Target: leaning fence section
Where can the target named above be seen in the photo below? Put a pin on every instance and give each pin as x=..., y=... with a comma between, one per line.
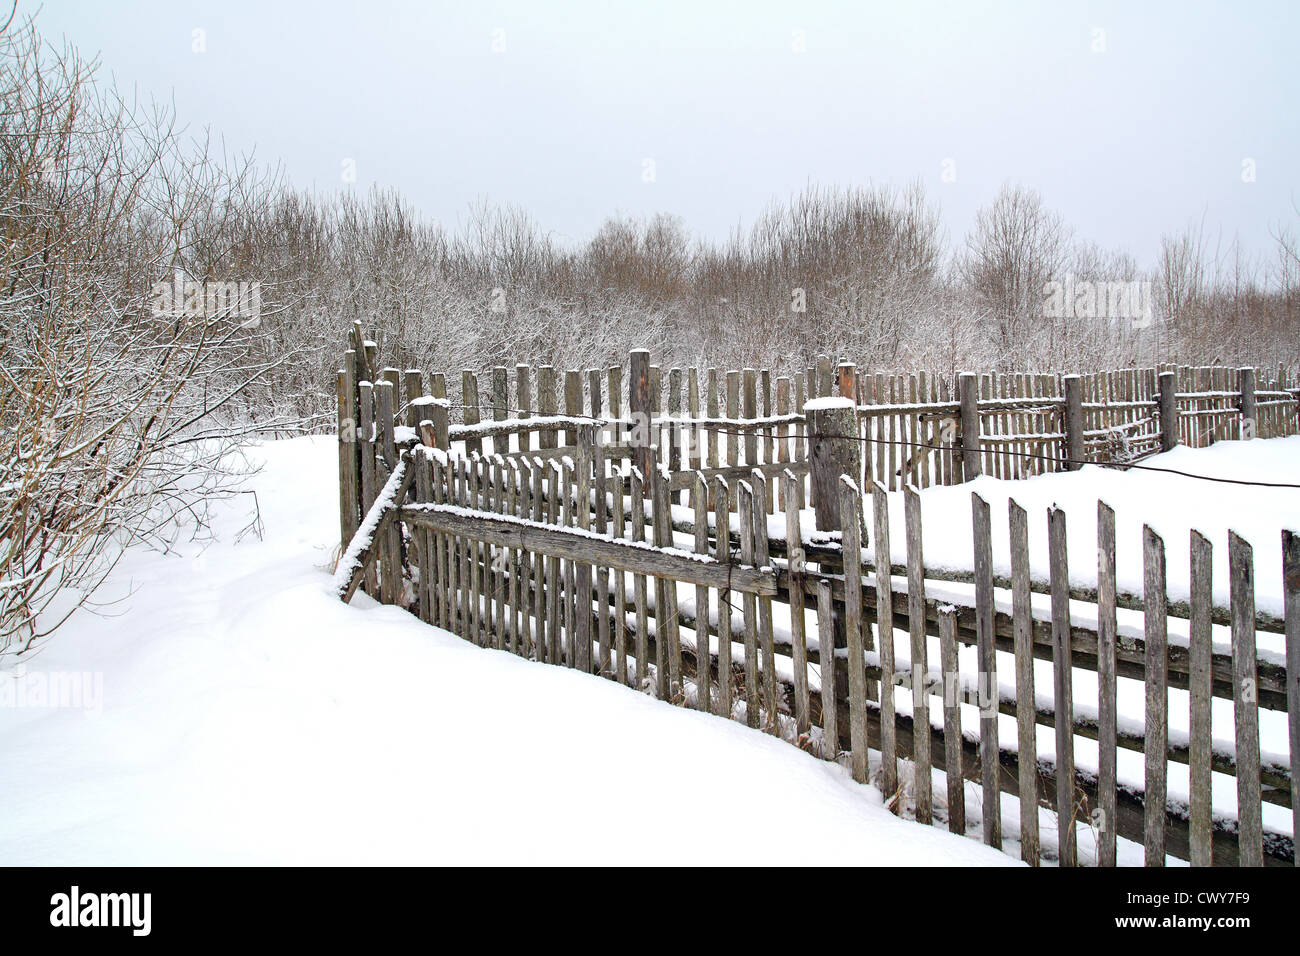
x=698, y=542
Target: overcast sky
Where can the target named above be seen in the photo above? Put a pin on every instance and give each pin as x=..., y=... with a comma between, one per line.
x=1132, y=119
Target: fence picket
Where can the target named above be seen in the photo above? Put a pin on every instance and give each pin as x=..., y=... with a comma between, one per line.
x=749, y=604
x=703, y=658
x=920, y=664
x=1062, y=688
x=952, y=719
x=1107, y=711
x=722, y=550
x=885, y=640
x=762, y=559
x=987, y=671
x=826, y=639
x=798, y=636
x=1200, y=827
x=1241, y=577
x=1023, y=639
x=1156, y=730
x=1291, y=610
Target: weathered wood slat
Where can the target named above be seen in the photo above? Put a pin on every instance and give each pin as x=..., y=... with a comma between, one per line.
x=952, y=722
x=1062, y=689
x=722, y=550
x=1107, y=711
x=1157, y=697
x=826, y=636
x=919, y=648
x=988, y=670
x=762, y=559
x=798, y=635
x=749, y=605
x=1291, y=607
x=1241, y=578
x=639, y=600
x=1200, y=830
x=850, y=500
x=700, y=506
x=1026, y=735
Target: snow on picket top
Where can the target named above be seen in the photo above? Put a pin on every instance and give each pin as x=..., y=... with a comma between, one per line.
x=249, y=716
x=828, y=402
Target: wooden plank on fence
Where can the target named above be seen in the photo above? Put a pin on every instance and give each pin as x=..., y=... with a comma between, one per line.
x=1062, y=688
x=885, y=640
x=722, y=550
x=424, y=493
x=524, y=401
x=1200, y=638
x=1023, y=637
x=600, y=488
x=498, y=561
x=667, y=640
x=703, y=657
x=366, y=442
x=1157, y=696
x=850, y=499
x=762, y=559
x=554, y=626
x=1107, y=711
x=733, y=413
x=711, y=410
x=619, y=532
x=826, y=638
x=798, y=636
x=952, y=719
x=919, y=650
x=745, y=509
x=568, y=567
x=987, y=669
x=1241, y=578
x=546, y=405
x=1291, y=610
x=694, y=435
x=584, y=571
x=500, y=406
x=541, y=641
x=641, y=645
x=470, y=410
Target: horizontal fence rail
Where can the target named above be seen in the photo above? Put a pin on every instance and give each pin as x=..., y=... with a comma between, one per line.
x=724, y=553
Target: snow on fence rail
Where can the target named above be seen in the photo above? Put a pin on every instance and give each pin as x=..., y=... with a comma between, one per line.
x=572, y=548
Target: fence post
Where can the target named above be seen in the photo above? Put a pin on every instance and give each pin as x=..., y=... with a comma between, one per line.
x=834, y=451
x=1168, y=411
x=968, y=384
x=1073, y=420
x=1249, y=421
x=638, y=406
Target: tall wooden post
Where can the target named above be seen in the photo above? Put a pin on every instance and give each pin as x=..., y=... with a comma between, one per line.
x=968, y=385
x=1249, y=410
x=1168, y=411
x=1073, y=420
x=835, y=451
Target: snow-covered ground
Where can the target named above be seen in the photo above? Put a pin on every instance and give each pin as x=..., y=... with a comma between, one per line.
x=233, y=711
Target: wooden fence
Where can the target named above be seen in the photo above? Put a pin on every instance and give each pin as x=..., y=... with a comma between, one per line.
x=682, y=559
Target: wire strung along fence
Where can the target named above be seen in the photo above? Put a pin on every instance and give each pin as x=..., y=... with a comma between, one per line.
x=719, y=553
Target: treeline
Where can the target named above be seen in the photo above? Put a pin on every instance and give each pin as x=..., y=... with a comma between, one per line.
x=860, y=273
